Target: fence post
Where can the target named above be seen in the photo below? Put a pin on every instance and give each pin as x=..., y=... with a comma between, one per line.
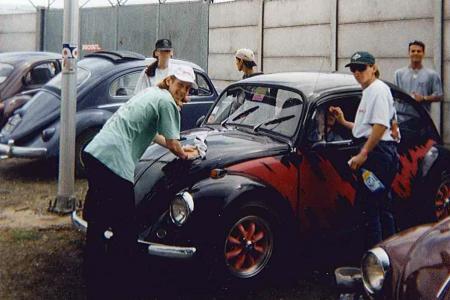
x=438, y=52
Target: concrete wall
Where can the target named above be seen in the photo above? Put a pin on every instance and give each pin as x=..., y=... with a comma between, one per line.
x=232, y=25
x=18, y=32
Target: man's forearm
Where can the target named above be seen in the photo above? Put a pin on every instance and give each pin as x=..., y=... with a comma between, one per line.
x=432, y=98
x=160, y=140
x=374, y=138
x=348, y=124
x=175, y=147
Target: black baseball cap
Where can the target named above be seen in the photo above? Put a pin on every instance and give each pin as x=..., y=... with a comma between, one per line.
x=361, y=58
x=163, y=44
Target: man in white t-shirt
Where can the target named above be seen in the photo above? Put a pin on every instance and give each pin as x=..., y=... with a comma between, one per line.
x=378, y=154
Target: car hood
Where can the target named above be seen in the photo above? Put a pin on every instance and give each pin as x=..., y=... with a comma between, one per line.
x=161, y=170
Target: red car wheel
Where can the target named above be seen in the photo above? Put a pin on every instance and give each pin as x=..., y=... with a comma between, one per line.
x=248, y=246
x=442, y=199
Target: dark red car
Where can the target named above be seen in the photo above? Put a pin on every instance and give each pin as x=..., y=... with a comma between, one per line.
x=274, y=187
x=414, y=264
x=21, y=74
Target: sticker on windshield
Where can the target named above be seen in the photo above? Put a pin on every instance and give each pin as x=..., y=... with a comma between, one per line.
x=257, y=97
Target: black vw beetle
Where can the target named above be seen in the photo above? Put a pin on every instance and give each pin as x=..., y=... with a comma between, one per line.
x=274, y=186
x=105, y=80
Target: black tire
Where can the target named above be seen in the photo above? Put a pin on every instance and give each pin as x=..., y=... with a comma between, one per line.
x=82, y=141
x=250, y=248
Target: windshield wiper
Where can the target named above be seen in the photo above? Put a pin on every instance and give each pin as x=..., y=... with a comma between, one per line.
x=273, y=121
x=241, y=114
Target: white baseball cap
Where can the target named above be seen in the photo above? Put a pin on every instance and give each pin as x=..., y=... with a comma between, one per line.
x=246, y=54
x=183, y=73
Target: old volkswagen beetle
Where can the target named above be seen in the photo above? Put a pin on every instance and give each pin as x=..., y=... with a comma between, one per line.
x=21, y=75
x=274, y=185
x=414, y=264
x=105, y=80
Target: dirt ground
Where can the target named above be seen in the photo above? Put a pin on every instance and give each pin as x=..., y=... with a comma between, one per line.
x=41, y=254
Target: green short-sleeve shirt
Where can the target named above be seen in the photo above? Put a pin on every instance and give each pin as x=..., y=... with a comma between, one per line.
x=127, y=134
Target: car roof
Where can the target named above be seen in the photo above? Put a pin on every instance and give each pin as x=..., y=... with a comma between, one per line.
x=29, y=56
x=105, y=60
x=309, y=83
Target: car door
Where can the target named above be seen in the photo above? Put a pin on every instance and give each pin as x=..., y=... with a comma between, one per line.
x=328, y=186
x=201, y=100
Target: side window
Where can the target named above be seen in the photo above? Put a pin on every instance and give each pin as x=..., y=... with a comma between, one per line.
x=41, y=73
x=122, y=88
x=323, y=126
x=203, y=87
x=411, y=124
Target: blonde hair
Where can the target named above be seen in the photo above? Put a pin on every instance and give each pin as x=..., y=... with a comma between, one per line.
x=163, y=84
x=377, y=71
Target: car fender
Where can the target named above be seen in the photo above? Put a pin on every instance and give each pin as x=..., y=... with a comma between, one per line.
x=90, y=118
x=215, y=197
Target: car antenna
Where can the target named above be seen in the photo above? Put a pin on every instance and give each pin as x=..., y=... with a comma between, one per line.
x=318, y=75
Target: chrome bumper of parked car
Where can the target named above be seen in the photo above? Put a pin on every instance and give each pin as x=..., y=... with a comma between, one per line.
x=152, y=248
x=10, y=150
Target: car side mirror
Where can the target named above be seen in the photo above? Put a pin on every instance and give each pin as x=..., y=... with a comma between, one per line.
x=200, y=121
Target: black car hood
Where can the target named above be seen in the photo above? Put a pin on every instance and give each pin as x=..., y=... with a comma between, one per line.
x=158, y=166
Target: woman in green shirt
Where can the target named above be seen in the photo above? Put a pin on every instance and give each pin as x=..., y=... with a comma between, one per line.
x=110, y=159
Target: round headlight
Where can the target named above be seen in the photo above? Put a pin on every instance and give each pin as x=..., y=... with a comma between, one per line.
x=375, y=264
x=181, y=207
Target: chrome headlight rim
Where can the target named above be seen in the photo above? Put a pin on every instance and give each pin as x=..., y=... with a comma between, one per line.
x=187, y=201
x=382, y=259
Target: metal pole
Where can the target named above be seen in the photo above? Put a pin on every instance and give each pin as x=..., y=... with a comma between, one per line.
x=65, y=200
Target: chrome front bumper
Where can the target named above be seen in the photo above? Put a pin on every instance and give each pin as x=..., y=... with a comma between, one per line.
x=10, y=150
x=154, y=249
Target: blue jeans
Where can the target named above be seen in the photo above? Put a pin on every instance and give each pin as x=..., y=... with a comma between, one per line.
x=378, y=219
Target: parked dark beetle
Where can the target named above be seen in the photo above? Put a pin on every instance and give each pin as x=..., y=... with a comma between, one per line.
x=105, y=80
x=21, y=75
x=275, y=187
x=413, y=264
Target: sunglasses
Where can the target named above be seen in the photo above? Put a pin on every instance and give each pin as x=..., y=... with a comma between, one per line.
x=359, y=68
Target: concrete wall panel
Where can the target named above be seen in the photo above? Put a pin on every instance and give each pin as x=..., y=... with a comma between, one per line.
x=222, y=67
x=228, y=40
x=287, y=64
x=21, y=41
x=296, y=12
x=384, y=39
x=18, y=23
x=446, y=54
x=18, y=32
x=239, y=13
x=351, y=11
x=297, y=41
x=446, y=9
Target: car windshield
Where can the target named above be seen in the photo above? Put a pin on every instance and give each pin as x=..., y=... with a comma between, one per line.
x=260, y=108
x=82, y=75
x=5, y=71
